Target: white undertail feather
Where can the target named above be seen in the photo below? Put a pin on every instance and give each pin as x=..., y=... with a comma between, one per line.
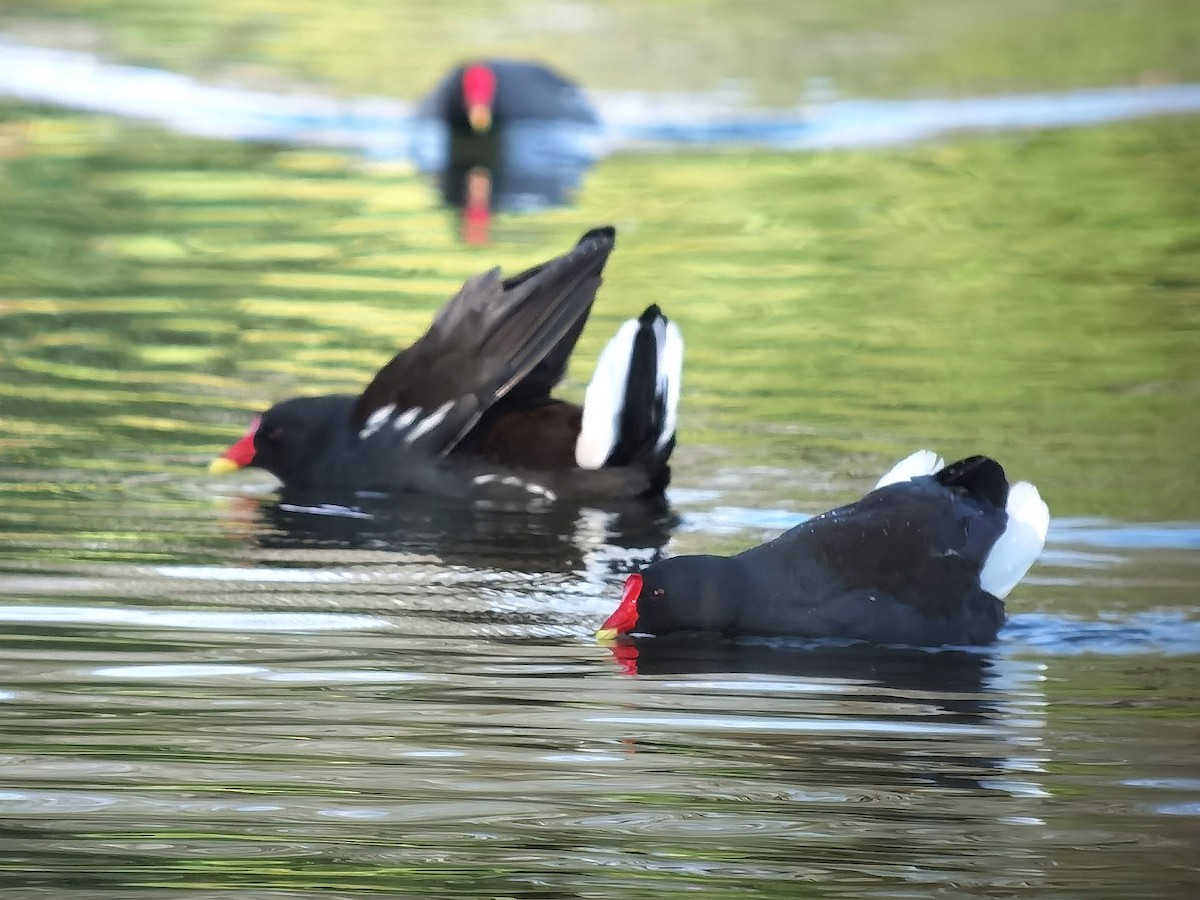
x=603, y=399
x=1020, y=545
x=923, y=462
x=605, y=395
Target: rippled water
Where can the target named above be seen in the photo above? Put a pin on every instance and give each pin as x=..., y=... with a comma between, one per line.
x=277, y=696
x=208, y=688
x=300, y=717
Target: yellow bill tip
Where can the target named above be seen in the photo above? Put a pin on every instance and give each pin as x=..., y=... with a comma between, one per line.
x=606, y=636
x=480, y=118
x=222, y=466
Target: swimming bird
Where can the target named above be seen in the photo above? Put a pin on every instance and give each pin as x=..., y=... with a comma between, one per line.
x=504, y=134
x=467, y=410
x=925, y=558
x=486, y=95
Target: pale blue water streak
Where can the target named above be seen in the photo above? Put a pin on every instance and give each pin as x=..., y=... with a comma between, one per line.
x=383, y=128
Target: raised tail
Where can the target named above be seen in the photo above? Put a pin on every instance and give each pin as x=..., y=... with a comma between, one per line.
x=1025, y=531
x=983, y=479
x=979, y=477
x=632, y=401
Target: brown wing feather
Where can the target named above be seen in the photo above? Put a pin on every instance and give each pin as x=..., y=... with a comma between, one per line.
x=487, y=338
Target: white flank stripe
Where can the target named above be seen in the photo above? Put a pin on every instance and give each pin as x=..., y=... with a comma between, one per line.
x=1020, y=545
x=923, y=462
x=432, y=420
x=375, y=421
x=603, y=399
x=670, y=379
x=407, y=418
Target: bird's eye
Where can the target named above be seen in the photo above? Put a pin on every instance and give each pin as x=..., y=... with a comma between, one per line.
x=658, y=592
x=275, y=435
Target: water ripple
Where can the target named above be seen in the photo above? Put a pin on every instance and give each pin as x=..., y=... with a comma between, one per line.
x=1168, y=632
x=191, y=619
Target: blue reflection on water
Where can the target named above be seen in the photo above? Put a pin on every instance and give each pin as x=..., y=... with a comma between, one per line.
x=1097, y=533
x=1164, y=632
x=383, y=128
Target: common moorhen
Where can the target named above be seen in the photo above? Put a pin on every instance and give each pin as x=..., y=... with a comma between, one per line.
x=504, y=134
x=467, y=411
x=924, y=559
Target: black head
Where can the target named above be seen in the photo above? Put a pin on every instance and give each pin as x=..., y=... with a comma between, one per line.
x=684, y=593
x=292, y=439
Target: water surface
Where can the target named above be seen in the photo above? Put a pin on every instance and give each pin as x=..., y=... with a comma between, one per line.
x=208, y=688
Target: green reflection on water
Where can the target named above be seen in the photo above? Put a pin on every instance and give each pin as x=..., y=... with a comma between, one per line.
x=1033, y=296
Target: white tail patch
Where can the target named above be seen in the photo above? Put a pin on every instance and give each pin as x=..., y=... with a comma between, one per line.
x=604, y=399
x=923, y=462
x=1020, y=545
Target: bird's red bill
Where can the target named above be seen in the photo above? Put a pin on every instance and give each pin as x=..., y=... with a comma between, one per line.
x=625, y=617
x=479, y=95
x=241, y=454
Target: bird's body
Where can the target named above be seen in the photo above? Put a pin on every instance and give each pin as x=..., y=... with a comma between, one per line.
x=467, y=409
x=924, y=559
x=504, y=134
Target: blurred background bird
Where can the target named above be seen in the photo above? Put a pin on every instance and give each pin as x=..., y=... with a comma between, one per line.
x=504, y=135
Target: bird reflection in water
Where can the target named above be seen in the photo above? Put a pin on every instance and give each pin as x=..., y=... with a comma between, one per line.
x=558, y=538
x=914, y=668
x=946, y=741
x=502, y=135
x=477, y=206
